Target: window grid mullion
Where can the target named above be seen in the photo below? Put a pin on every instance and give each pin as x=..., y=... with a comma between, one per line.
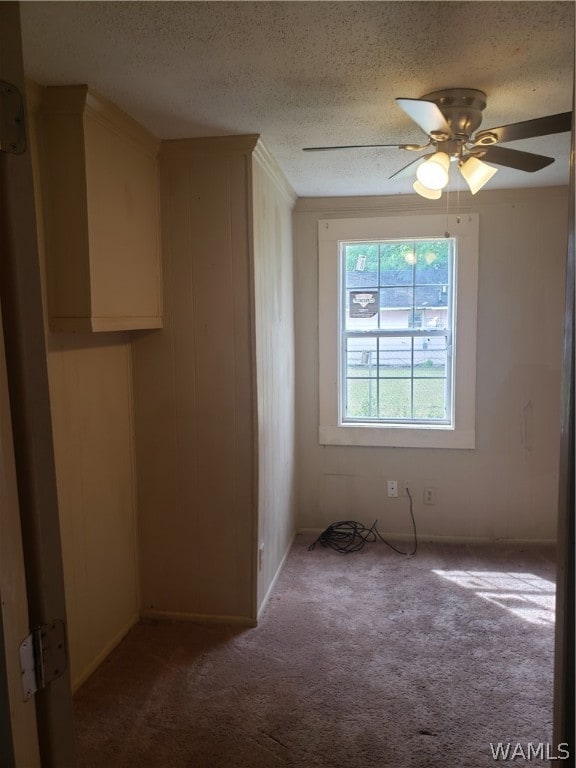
x=378, y=340
x=412, y=378
x=412, y=339
x=345, y=337
x=390, y=333
x=378, y=378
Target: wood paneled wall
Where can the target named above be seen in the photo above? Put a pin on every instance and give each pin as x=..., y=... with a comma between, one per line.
x=214, y=390
x=213, y=417
x=92, y=418
x=195, y=393
x=91, y=403
x=273, y=201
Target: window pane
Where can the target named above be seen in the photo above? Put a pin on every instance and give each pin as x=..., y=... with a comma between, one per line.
x=361, y=398
x=361, y=261
x=394, y=401
x=431, y=302
x=417, y=319
x=361, y=357
x=433, y=261
x=391, y=287
x=429, y=398
x=430, y=296
x=430, y=357
x=362, y=310
x=396, y=307
x=395, y=357
x=397, y=263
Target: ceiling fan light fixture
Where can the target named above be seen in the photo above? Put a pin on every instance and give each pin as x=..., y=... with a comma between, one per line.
x=476, y=173
x=433, y=173
x=430, y=194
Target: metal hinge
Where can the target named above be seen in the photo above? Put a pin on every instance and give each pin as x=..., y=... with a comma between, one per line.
x=12, y=125
x=43, y=657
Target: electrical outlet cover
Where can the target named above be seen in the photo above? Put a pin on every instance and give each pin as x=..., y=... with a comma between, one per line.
x=429, y=496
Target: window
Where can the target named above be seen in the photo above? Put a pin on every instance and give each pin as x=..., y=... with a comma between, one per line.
x=398, y=330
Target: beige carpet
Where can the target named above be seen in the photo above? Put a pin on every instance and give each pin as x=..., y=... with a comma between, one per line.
x=364, y=660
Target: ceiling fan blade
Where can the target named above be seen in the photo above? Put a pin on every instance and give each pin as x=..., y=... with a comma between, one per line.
x=427, y=114
x=513, y=158
x=407, y=170
x=540, y=126
x=351, y=146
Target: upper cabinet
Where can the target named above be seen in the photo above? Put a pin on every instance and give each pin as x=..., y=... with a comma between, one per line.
x=99, y=176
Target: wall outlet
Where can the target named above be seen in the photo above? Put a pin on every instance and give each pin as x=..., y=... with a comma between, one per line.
x=392, y=488
x=429, y=496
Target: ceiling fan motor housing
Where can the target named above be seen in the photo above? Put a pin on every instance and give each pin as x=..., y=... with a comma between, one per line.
x=450, y=118
x=462, y=108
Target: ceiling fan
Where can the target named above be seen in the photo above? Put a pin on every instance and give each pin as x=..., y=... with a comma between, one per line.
x=451, y=118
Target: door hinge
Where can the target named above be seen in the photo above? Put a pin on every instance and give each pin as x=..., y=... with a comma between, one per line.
x=12, y=125
x=43, y=657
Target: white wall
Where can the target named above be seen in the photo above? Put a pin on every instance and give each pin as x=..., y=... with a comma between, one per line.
x=273, y=201
x=507, y=486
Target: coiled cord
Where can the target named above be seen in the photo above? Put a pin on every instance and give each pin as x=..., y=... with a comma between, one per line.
x=350, y=536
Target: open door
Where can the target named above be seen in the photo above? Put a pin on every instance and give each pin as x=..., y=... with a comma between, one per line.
x=18, y=736
x=565, y=680
x=37, y=731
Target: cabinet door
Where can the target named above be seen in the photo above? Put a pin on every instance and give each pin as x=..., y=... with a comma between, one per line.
x=99, y=180
x=122, y=204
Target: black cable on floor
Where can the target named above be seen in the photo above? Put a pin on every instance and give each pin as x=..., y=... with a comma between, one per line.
x=349, y=536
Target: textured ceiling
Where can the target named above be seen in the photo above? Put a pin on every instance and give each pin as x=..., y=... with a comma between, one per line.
x=314, y=73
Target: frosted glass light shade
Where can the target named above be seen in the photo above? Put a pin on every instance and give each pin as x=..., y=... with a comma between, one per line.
x=433, y=173
x=476, y=173
x=431, y=194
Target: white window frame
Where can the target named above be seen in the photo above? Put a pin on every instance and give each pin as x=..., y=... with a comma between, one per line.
x=460, y=433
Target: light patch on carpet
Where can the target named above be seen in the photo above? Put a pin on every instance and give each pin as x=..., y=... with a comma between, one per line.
x=525, y=595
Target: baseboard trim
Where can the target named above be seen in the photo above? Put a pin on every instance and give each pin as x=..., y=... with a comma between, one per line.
x=199, y=618
x=272, y=586
x=432, y=538
x=106, y=651
x=480, y=540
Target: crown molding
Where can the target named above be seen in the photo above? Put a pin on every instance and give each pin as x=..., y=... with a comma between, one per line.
x=263, y=156
x=79, y=100
x=203, y=145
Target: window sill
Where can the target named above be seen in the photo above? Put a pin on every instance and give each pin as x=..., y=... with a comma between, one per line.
x=397, y=437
